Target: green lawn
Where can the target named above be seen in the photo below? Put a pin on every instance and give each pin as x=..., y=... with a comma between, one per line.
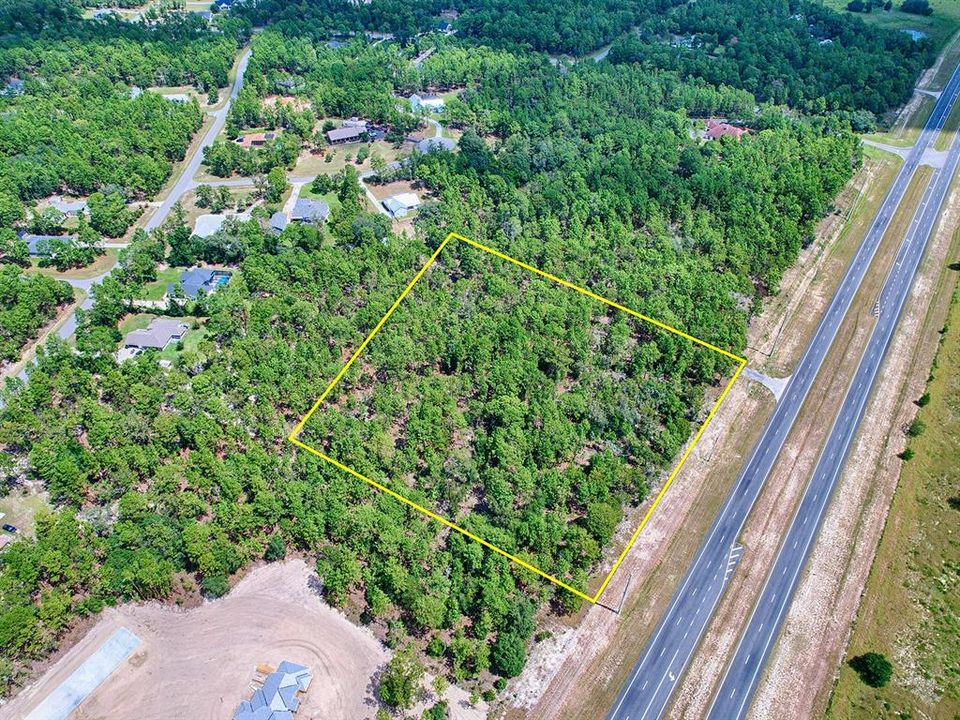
x=138, y=321
x=19, y=509
x=157, y=289
x=100, y=265
x=940, y=26
x=191, y=339
x=329, y=198
x=190, y=342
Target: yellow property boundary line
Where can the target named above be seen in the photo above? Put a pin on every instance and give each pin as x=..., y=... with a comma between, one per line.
x=741, y=363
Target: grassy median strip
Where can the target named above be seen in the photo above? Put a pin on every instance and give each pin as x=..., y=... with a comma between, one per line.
x=911, y=602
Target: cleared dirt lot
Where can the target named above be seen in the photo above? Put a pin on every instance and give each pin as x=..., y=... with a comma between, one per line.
x=200, y=663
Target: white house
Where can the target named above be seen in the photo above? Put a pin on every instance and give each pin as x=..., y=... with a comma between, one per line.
x=401, y=204
x=427, y=103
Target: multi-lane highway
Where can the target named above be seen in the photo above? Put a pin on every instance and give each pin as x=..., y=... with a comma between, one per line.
x=651, y=683
x=743, y=672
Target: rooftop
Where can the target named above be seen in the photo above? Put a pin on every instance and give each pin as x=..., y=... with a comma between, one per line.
x=716, y=129
x=38, y=244
x=435, y=143
x=196, y=279
x=277, y=698
x=309, y=211
x=400, y=204
x=67, y=206
x=157, y=334
x=278, y=221
x=344, y=133
x=210, y=224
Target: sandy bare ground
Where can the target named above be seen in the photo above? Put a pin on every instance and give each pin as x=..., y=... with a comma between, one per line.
x=200, y=663
x=803, y=667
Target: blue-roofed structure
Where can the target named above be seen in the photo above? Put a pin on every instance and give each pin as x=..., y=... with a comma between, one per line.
x=196, y=279
x=42, y=245
x=436, y=143
x=277, y=698
x=14, y=86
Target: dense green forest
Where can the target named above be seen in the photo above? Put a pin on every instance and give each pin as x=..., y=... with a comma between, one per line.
x=78, y=127
x=527, y=412
x=802, y=54
x=27, y=303
x=517, y=406
x=797, y=52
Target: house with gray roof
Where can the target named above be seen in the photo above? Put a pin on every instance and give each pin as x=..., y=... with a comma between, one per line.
x=277, y=698
x=196, y=279
x=345, y=134
x=400, y=205
x=436, y=143
x=157, y=335
x=278, y=222
x=310, y=211
x=67, y=206
x=427, y=102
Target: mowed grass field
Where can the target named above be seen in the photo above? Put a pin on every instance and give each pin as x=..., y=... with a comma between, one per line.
x=911, y=605
x=939, y=26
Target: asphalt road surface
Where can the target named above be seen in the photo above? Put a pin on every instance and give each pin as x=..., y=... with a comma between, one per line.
x=183, y=184
x=185, y=181
x=650, y=685
x=740, y=681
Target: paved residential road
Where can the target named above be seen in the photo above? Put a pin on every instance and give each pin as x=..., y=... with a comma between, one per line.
x=743, y=674
x=650, y=685
x=185, y=182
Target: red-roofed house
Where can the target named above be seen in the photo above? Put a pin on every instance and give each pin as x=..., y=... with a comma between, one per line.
x=717, y=129
x=255, y=139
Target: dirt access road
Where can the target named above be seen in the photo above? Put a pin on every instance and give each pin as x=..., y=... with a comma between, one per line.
x=201, y=663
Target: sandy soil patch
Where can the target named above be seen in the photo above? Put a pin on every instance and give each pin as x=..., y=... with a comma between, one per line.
x=382, y=192
x=201, y=663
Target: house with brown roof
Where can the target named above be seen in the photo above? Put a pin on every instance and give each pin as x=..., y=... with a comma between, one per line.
x=346, y=134
x=717, y=129
x=255, y=139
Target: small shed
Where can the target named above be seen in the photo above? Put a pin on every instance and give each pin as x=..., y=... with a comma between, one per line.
x=278, y=222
